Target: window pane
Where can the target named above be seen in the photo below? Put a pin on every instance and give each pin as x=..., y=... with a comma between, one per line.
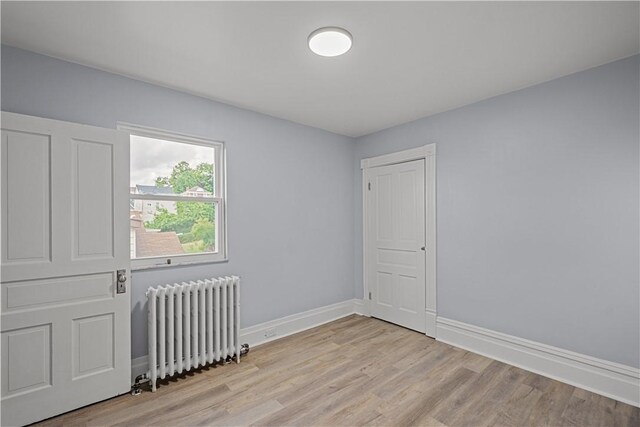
x=171, y=168
x=167, y=228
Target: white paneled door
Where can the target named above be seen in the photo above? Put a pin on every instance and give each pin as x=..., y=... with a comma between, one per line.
x=65, y=236
x=395, y=253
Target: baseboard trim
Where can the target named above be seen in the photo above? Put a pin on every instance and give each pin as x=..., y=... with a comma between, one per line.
x=261, y=333
x=361, y=307
x=139, y=366
x=609, y=379
x=431, y=329
x=289, y=325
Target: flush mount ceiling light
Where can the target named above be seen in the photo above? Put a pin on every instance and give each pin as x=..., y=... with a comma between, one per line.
x=330, y=41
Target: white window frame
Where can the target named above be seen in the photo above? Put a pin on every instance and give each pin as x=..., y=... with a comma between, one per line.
x=220, y=197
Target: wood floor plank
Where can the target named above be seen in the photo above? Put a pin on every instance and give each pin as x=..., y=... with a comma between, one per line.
x=475, y=362
x=483, y=412
x=358, y=371
x=548, y=410
x=589, y=409
x=464, y=399
x=419, y=412
x=519, y=406
x=249, y=415
x=361, y=410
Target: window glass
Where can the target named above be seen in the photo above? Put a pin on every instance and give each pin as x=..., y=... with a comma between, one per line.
x=175, y=200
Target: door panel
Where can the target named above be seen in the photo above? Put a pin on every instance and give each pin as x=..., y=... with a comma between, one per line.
x=93, y=337
x=33, y=294
x=384, y=211
x=65, y=330
x=28, y=359
x=26, y=216
x=384, y=294
x=92, y=179
x=396, y=261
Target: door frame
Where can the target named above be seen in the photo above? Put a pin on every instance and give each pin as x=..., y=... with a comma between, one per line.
x=428, y=154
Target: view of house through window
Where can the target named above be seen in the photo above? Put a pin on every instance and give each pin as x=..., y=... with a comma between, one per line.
x=175, y=197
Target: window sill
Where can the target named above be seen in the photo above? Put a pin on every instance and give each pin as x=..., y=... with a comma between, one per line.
x=174, y=265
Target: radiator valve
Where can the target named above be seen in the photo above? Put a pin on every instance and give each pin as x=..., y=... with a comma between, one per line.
x=244, y=349
x=136, y=388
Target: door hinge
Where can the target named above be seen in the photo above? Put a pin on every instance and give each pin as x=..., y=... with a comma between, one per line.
x=369, y=295
x=369, y=185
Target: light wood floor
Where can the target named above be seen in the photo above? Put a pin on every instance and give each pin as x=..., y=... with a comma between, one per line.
x=359, y=371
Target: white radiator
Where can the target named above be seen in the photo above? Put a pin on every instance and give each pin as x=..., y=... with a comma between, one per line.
x=193, y=324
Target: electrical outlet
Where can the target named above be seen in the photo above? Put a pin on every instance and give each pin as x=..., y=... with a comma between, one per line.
x=271, y=332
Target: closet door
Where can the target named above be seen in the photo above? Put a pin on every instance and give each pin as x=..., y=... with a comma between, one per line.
x=396, y=243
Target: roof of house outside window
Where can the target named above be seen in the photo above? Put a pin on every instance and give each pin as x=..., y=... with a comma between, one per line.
x=150, y=244
x=196, y=190
x=152, y=189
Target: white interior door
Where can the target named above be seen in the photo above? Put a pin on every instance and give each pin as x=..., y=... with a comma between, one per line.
x=395, y=255
x=65, y=233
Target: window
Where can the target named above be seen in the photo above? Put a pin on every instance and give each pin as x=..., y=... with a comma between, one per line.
x=177, y=203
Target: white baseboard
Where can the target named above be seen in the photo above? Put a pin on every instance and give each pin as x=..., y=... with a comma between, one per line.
x=361, y=307
x=262, y=332
x=258, y=334
x=431, y=328
x=609, y=379
x=139, y=366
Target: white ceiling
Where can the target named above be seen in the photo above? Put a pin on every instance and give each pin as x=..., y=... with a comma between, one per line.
x=408, y=60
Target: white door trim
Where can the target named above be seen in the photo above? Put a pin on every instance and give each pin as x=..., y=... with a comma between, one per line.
x=428, y=153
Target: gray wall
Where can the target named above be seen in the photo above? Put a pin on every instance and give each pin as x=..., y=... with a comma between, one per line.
x=537, y=210
x=290, y=196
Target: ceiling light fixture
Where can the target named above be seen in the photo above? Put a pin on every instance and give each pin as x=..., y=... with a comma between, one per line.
x=330, y=41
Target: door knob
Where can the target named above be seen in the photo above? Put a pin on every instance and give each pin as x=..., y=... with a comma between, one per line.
x=122, y=280
x=423, y=248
